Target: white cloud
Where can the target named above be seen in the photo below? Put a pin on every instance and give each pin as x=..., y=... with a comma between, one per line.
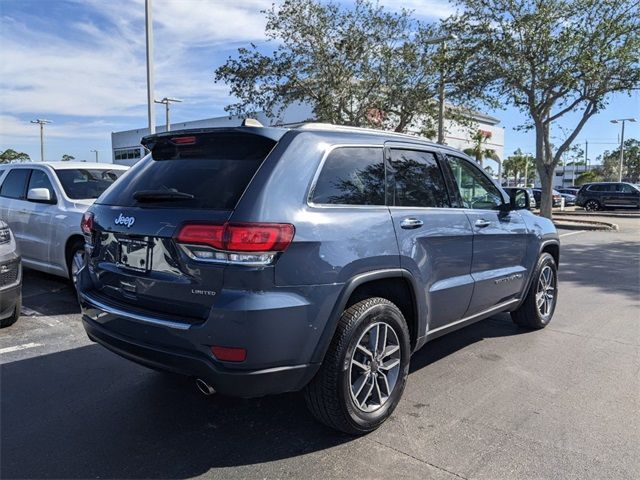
x=429, y=9
x=96, y=68
x=12, y=127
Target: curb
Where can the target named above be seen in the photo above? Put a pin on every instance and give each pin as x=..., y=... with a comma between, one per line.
x=570, y=224
x=599, y=213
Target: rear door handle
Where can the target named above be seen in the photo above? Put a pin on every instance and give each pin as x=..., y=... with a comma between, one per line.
x=481, y=223
x=410, y=223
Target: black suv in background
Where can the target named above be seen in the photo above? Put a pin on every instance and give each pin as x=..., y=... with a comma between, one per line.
x=597, y=196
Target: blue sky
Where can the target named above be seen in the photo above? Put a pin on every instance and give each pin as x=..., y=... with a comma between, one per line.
x=81, y=64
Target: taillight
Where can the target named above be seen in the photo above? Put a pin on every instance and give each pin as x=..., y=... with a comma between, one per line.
x=86, y=224
x=246, y=243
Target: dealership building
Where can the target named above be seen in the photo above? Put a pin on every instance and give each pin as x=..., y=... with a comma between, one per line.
x=126, y=148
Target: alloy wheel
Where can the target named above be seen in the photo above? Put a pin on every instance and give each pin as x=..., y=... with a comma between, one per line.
x=546, y=291
x=77, y=261
x=591, y=206
x=375, y=367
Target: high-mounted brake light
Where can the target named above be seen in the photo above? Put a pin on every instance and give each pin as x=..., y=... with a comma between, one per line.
x=190, y=140
x=86, y=224
x=247, y=243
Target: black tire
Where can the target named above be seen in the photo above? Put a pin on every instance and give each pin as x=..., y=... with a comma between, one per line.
x=529, y=314
x=329, y=395
x=7, y=322
x=75, y=246
x=592, y=205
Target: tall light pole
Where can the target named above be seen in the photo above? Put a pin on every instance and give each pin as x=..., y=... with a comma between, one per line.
x=42, y=123
x=96, y=152
x=443, y=53
x=166, y=101
x=622, y=120
x=149, y=36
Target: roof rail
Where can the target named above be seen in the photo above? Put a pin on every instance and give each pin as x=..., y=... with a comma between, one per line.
x=347, y=128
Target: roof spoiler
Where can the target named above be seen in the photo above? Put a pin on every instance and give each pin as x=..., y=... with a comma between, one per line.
x=251, y=122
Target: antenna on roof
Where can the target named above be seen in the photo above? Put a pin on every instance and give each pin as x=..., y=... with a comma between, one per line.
x=251, y=122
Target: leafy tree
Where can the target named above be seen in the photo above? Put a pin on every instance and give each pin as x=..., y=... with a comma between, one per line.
x=519, y=165
x=589, y=176
x=552, y=59
x=478, y=151
x=359, y=66
x=67, y=158
x=631, y=166
x=10, y=155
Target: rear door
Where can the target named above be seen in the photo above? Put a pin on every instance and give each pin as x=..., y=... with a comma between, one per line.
x=499, y=238
x=194, y=178
x=435, y=239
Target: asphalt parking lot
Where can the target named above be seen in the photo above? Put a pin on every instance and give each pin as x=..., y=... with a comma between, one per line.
x=489, y=401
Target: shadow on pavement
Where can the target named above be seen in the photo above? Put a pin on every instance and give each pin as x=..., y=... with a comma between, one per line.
x=47, y=294
x=613, y=267
x=87, y=413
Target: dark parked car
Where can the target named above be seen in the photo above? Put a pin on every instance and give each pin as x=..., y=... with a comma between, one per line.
x=597, y=196
x=569, y=199
x=263, y=260
x=10, y=277
x=557, y=198
x=568, y=190
x=518, y=193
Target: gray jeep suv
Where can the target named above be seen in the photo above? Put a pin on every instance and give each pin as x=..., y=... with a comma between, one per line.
x=265, y=260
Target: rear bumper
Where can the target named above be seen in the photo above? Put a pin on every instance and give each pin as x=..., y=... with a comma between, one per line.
x=280, y=330
x=240, y=383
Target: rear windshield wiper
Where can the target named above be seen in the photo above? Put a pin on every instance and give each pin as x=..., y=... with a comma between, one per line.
x=161, y=195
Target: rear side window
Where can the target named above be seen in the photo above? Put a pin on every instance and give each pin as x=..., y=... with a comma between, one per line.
x=206, y=170
x=15, y=183
x=418, y=179
x=351, y=176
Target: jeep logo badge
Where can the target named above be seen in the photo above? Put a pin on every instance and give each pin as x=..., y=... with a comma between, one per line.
x=122, y=220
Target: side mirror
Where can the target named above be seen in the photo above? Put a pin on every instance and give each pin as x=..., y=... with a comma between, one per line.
x=519, y=199
x=40, y=195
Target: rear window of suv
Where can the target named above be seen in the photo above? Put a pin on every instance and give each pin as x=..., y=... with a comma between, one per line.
x=205, y=170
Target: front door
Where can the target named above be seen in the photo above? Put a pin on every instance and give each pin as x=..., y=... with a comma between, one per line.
x=38, y=221
x=435, y=240
x=627, y=196
x=499, y=238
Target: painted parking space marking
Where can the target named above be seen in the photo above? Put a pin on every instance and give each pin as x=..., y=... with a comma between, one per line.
x=16, y=348
x=571, y=233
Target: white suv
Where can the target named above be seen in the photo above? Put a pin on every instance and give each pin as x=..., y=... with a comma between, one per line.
x=43, y=203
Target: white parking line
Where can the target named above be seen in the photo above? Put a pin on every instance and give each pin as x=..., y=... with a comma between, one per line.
x=19, y=347
x=571, y=233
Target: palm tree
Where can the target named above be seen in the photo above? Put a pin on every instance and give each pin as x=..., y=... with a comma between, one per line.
x=478, y=151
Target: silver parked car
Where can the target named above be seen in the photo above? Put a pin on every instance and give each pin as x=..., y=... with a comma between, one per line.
x=10, y=278
x=43, y=203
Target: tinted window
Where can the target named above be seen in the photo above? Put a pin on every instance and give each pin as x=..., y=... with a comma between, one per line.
x=15, y=182
x=83, y=183
x=40, y=179
x=625, y=188
x=418, y=180
x=476, y=190
x=351, y=176
x=214, y=168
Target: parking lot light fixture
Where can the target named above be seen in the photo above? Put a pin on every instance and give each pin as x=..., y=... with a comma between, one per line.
x=166, y=101
x=623, y=121
x=96, y=152
x=441, y=95
x=42, y=123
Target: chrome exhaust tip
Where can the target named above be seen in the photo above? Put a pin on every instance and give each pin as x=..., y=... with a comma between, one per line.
x=204, y=387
